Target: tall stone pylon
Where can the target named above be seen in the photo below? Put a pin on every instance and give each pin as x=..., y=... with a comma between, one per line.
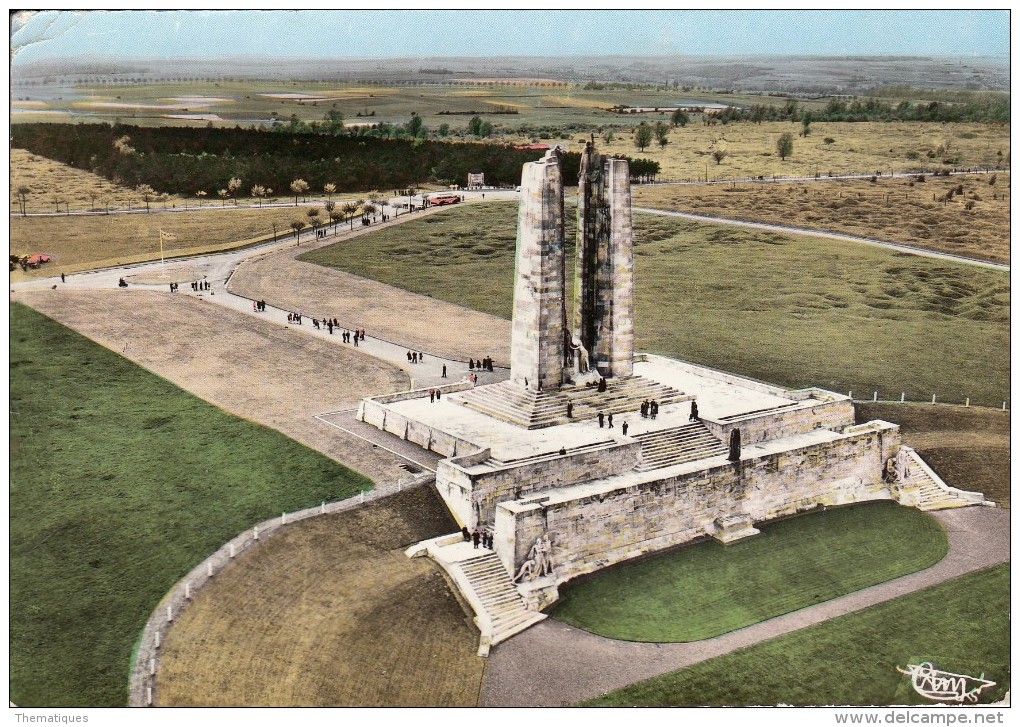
x=539, y=317
x=604, y=273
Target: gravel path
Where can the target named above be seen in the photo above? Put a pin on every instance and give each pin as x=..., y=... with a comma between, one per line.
x=552, y=664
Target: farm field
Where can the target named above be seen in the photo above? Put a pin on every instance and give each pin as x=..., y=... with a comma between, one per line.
x=793, y=310
x=542, y=103
x=862, y=148
x=368, y=626
x=897, y=210
x=120, y=484
x=708, y=589
x=859, y=652
x=968, y=447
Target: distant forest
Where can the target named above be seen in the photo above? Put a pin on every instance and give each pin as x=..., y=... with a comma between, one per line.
x=185, y=161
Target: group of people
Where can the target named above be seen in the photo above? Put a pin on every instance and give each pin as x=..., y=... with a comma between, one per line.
x=478, y=537
x=258, y=306
x=603, y=418
x=482, y=364
x=358, y=335
x=200, y=285
x=649, y=409
x=435, y=395
x=173, y=287
x=415, y=357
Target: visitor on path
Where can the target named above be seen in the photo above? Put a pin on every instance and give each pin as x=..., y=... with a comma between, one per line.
x=476, y=537
x=355, y=339
x=421, y=357
x=432, y=396
x=602, y=386
x=414, y=357
x=471, y=364
x=644, y=409
x=610, y=421
x=625, y=425
x=408, y=357
x=602, y=419
x=563, y=451
x=439, y=394
x=655, y=408
x=329, y=325
x=315, y=323
x=62, y=280
x=694, y=411
x=464, y=532
x=254, y=304
x=570, y=410
x=444, y=371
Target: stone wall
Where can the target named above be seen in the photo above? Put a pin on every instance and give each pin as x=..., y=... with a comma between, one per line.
x=593, y=527
x=477, y=493
x=785, y=422
x=375, y=412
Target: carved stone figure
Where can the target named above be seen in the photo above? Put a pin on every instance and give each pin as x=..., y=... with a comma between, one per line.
x=889, y=473
x=527, y=570
x=581, y=360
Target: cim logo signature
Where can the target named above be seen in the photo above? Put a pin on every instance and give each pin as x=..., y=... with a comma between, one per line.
x=944, y=686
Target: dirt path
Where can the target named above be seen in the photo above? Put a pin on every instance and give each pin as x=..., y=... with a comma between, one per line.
x=552, y=664
x=415, y=321
x=269, y=374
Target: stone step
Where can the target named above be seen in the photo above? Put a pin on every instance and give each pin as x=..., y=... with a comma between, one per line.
x=676, y=445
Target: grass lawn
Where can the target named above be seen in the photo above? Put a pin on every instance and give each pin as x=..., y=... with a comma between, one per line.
x=961, y=626
x=709, y=589
x=790, y=310
x=84, y=243
x=897, y=210
x=120, y=484
x=334, y=614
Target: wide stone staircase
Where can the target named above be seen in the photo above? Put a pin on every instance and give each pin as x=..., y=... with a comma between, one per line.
x=676, y=445
x=933, y=493
x=513, y=403
x=503, y=611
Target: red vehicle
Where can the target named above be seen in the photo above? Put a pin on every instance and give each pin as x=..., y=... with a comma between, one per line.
x=445, y=199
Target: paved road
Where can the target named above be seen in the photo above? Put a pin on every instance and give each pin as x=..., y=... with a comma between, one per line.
x=552, y=664
x=899, y=247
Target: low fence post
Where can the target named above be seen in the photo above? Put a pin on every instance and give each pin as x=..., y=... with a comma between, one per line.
x=875, y=397
x=255, y=532
x=208, y=569
x=283, y=519
x=169, y=614
x=157, y=639
x=1004, y=406
x=933, y=398
x=152, y=667
x=903, y=396
x=849, y=395
x=967, y=402
x=148, y=696
x=187, y=591
x=232, y=550
x=322, y=508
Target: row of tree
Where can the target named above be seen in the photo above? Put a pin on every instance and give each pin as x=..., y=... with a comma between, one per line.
x=987, y=110
x=183, y=160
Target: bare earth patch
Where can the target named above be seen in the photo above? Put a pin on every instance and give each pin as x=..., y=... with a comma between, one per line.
x=384, y=311
x=330, y=613
x=271, y=375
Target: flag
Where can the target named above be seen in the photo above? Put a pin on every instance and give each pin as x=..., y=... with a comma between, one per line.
x=166, y=236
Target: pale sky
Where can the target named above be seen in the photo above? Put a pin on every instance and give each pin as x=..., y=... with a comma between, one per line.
x=382, y=33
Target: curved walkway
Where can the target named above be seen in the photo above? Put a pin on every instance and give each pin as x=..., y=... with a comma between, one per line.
x=552, y=664
x=899, y=247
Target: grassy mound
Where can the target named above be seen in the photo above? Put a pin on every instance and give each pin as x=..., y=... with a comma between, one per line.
x=961, y=626
x=708, y=589
x=789, y=310
x=120, y=484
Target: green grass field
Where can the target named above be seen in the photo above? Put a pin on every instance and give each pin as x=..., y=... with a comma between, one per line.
x=120, y=484
x=709, y=589
x=961, y=626
x=790, y=310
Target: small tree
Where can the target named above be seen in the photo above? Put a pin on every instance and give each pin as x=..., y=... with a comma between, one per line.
x=330, y=206
x=662, y=134
x=298, y=187
x=223, y=196
x=784, y=145
x=719, y=155
x=313, y=216
x=643, y=136
x=805, y=122
x=335, y=217
x=23, y=193
x=146, y=193
x=258, y=192
x=297, y=226
x=200, y=194
x=232, y=186
x=349, y=208
x=330, y=190
x=609, y=136
x=679, y=118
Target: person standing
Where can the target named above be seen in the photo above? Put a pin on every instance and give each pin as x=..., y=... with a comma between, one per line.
x=610, y=421
x=444, y=371
x=624, y=427
x=602, y=418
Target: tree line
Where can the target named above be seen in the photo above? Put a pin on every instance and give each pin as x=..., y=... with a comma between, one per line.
x=985, y=110
x=185, y=161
